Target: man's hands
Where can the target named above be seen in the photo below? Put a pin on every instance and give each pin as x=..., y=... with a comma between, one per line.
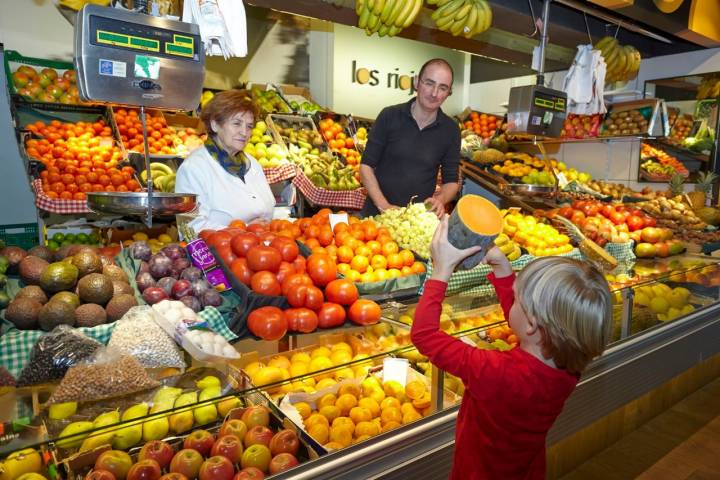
x=445, y=256
x=436, y=206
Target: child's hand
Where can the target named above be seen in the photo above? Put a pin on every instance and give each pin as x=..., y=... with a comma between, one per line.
x=498, y=262
x=445, y=256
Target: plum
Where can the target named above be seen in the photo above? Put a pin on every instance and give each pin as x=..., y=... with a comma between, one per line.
x=192, y=302
x=192, y=274
x=200, y=286
x=166, y=283
x=154, y=295
x=144, y=281
x=173, y=251
x=211, y=298
x=160, y=266
x=140, y=251
x=182, y=288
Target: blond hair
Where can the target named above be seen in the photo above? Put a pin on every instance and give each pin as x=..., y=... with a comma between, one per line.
x=572, y=305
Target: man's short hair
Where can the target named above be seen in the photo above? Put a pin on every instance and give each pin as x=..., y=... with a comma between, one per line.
x=437, y=61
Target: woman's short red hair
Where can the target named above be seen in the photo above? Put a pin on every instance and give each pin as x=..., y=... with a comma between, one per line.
x=226, y=104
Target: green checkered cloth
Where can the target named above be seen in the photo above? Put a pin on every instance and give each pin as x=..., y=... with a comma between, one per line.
x=623, y=253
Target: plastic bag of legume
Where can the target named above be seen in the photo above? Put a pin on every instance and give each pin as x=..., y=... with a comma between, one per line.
x=109, y=374
x=137, y=334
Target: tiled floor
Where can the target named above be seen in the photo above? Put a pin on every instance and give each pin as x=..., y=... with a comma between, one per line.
x=682, y=443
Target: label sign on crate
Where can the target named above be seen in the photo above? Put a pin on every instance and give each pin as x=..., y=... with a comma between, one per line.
x=336, y=218
x=395, y=369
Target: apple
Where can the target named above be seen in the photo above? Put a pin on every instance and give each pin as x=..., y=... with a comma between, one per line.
x=173, y=476
x=63, y=84
x=51, y=73
x=157, y=450
x=650, y=234
x=256, y=415
x=217, y=468
x=44, y=81
x=257, y=456
x=100, y=475
x=116, y=462
x=145, y=470
x=187, y=462
x=249, y=473
x=70, y=76
x=229, y=446
x=258, y=435
x=235, y=427
x=20, y=80
x=282, y=462
x=200, y=440
x=285, y=441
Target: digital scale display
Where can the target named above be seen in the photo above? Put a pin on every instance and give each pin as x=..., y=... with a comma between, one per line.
x=143, y=39
x=548, y=101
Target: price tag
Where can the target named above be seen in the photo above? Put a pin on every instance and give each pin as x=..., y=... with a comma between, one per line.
x=336, y=218
x=562, y=181
x=395, y=369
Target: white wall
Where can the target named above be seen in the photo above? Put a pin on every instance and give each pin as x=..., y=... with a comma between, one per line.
x=35, y=28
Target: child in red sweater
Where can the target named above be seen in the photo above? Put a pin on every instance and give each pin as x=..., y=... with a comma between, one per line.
x=562, y=318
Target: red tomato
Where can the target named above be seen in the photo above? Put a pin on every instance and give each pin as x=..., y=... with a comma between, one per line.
x=267, y=323
x=300, y=264
x=257, y=227
x=293, y=280
x=263, y=258
x=331, y=315
x=288, y=248
x=301, y=320
x=239, y=268
x=265, y=283
x=226, y=254
x=322, y=269
x=341, y=291
x=305, y=296
x=364, y=312
x=243, y=242
x=219, y=239
x=286, y=269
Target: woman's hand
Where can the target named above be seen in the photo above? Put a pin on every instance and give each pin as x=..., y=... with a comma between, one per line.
x=498, y=262
x=445, y=256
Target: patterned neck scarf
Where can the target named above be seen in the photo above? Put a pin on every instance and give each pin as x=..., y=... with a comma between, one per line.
x=237, y=165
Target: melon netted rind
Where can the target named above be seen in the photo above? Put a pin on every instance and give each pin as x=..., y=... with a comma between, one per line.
x=460, y=236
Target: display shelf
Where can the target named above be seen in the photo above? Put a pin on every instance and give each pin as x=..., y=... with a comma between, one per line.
x=554, y=141
x=679, y=151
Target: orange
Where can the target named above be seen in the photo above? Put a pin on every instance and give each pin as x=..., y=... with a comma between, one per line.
x=390, y=402
x=371, y=404
x=331, y=412
x=303, y=409
x=378, y=261
x=407, y=257
x=330, y=446
x=342, y=435
x=345, y=403
x=423, y=402
x=418, y=267
x=364, y=251
x=366, y=429
x=327, y=399
x=394, y=261
x=316, y=418
x=360, y=414
x=352, y=275
x=389, y=248
x=415, y=389
x=319, y=432
x=374, y=246
x=387, y=426
x=407, y=407
x=344, y=268
x=410, y=417
x=345, y=254
x=360, y=263
x=391, y=414
x=350, y=388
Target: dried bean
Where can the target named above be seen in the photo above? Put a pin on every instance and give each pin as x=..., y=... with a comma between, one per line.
x=6, y=378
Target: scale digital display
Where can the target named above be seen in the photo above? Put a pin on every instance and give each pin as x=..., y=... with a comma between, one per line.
x=143, y=39
x=550, y=102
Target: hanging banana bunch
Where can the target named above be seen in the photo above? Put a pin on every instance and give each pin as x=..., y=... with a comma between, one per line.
x=462, y=17
x=386, y=17
x=622, y=61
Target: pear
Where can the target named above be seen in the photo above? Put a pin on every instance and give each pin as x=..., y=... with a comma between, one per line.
x=61, y=411
x=210, y=392
x=208, y=381
x=183, y=420
x=158, y=428
x=19, y=463
x=226, y=405
x=76, y=431
x=101, y=437
x=167, y=393
x=207, y=413
x=131, y=435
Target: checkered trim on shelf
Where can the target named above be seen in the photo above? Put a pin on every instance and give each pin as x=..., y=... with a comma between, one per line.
x=350, y=199
x=283, y=172
x=56, y=205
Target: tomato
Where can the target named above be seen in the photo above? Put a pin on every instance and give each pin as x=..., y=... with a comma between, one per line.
x=305, y=296
x=364, y=312
x=243, y=242
x=226, y=254
x=219, y=239
x=341, y=291
x=265, y=283
x=301, y=320
x=267, y=323
x=286, y=269
x=239, y=268
x=288, y=248
x=257, y=227
x=322, y=269
x=300, y=264
x=331, y=315
x=293, y=280
x=263, y=258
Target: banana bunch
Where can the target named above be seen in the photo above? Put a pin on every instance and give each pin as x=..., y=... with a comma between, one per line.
x=623, y=61
x=79, y=4
x=462, y=17
x=163, y=177
x=709, y=88
x=205, y=98
x=386, y=17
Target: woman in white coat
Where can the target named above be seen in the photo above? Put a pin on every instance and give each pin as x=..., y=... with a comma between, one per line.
x=229, y=183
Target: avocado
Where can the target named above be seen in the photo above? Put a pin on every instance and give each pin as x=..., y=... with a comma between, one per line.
x=119, y=305
x=23, y=313
x=31, y=268
x=121, y=287
x=53, y=314
x=4, y=300
x=95, y=288
x=59, y=276
x=62, y=252
x=43, y=252
x=90, y=315
x=33, y=292
x=14, y=255
x=87, y=262
x=67, y=297
x=115, y=273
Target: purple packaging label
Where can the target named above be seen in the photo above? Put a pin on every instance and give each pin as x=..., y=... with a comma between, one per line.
x=200, y=255
x=217, y=279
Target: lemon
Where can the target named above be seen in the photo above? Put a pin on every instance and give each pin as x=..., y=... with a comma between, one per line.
x=140, y=236
x=320, y=352
x=165, y=238
x=659, y=305
x=642, y=299
x=342, y=346
x=676, y=299
x=300, y=357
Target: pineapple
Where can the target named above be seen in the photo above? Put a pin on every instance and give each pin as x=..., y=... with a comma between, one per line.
x=677, y=184
x=702, y=189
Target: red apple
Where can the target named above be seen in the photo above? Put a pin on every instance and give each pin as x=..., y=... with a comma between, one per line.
x=257, y=456
x=635, y=222
x=100, y=475
x=256, y=415
x=116, y=462
x=229, y=446
x=577, y=217
x=285, y=441
x=157, y=450
x=187, y=462
x=173, y=476
x=282, y=462
x=145, y=470
x=200, y=440
x=650, y=234
x=618, y=218
x=235, y=427
x=607, y=211
x=258, y=435
x=217, y=468
x=20, y=80
x=249, y=473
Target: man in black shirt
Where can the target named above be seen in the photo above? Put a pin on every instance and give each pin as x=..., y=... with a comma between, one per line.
x=409, y=143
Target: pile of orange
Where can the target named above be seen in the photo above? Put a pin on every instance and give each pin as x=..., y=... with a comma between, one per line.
x=363, y=250
x=79, y=157
x=162, y=139
x=482, y=124
x=339, y=142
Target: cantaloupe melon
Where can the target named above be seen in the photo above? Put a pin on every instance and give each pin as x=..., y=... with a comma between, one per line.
x=475, y=221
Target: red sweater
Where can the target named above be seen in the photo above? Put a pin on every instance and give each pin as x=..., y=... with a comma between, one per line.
x=511, y=398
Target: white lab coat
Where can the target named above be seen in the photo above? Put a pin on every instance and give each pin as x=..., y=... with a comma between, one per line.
x=223, y=197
